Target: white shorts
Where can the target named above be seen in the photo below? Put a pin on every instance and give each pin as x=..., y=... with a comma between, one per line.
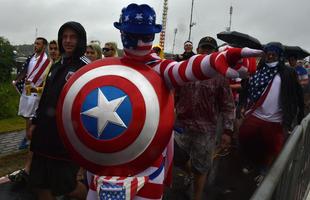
x=28, y=105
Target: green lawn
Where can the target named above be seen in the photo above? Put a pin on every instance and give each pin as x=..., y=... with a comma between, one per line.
x=12, y=124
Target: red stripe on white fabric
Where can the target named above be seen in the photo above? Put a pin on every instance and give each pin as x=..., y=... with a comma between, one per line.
x=133, y=188
x=171, y=77
x=36, y=65
x=163, y=65
x=197, y=68
x=133, y=53
x=220, y=63
x=189, y=69
x=208, y=70
x=233, y=55
x=176, y=74
x=182, y=69
x=40, y=73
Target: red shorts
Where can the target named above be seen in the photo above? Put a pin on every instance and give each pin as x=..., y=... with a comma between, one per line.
x=260, y=141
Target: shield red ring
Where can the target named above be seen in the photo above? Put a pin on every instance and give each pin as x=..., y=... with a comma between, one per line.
x=145, y=117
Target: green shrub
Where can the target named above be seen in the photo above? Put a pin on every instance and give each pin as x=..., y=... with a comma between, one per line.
x=6, y=60
x=9, y=100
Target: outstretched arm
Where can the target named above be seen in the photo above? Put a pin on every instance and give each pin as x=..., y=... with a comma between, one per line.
x=201, y=67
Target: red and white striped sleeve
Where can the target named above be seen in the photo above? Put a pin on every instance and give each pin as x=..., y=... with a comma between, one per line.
x=201, y=67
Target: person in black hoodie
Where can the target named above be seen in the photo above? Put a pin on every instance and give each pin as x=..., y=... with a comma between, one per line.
x=52, y=171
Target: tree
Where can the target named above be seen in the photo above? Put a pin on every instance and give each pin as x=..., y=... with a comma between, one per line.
x=6, y=60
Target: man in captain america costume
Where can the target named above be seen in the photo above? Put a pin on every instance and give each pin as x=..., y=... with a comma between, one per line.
x=137, y=27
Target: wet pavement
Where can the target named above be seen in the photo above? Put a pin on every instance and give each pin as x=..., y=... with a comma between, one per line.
x=9, y=142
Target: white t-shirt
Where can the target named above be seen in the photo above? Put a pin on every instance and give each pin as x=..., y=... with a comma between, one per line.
x=270, y=110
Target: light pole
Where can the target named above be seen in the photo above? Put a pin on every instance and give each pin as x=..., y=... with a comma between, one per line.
x=230, y=16
x=175, y=34
x=191, y=23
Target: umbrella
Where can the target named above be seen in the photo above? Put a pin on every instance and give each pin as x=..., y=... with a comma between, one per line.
x=295, y=51
x=235, y=38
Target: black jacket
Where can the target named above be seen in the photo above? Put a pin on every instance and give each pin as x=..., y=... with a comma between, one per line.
x=291, y=97
x=45, y=139
x=185, y=56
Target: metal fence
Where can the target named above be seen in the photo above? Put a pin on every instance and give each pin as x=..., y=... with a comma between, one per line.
x=289, y=176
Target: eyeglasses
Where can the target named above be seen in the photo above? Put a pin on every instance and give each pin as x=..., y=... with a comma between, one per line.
x=106, y=49
x=143, y=37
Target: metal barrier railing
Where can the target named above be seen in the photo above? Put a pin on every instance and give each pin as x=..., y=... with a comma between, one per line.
x=289, y=176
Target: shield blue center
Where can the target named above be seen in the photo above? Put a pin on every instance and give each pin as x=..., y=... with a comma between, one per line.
x=110, y=127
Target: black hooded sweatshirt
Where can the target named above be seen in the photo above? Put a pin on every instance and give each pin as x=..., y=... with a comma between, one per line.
x=45, y=139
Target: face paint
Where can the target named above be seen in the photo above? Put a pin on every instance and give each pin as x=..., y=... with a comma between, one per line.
x=137, y=44
x=130, y=40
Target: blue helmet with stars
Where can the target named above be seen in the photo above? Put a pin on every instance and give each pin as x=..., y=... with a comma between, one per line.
x=138, y=19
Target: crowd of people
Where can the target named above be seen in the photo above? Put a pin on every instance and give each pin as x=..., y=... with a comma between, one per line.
x=213, y=88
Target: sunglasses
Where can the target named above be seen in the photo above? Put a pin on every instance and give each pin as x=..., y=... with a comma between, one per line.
x=143, y=37
x=106, y=49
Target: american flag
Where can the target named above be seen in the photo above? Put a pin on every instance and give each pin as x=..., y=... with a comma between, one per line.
x=260, y=81
x=119, y=188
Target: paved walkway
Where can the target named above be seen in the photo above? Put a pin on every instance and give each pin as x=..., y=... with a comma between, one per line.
x=9, y=142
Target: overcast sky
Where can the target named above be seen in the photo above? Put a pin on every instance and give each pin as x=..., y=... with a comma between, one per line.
x=286, y=21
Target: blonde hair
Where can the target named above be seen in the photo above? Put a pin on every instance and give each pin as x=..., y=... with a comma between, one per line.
x=96, y=48
x=113, y=45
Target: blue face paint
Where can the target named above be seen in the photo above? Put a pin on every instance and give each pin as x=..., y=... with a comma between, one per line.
x=130, y=41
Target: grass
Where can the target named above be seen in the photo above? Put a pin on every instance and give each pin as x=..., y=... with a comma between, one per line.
x=12, y=124
x=9, y=100
x=12, y=162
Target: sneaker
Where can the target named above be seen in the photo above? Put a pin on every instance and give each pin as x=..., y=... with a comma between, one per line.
x=19, y=176
x=23, y=144
x=258, y=179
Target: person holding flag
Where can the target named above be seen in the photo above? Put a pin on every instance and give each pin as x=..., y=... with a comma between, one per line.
x=32, y=76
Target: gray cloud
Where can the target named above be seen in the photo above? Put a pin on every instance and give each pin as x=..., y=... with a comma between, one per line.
x=277, y=20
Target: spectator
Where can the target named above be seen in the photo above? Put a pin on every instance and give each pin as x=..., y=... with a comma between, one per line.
x=159, y=51
x=198, y=109
x=300, y=70
x=188, y=51
x=274, y=100
x=52, y=172
x=53, y=51
x=32, y=73
x=110, y=49
x=93, y=52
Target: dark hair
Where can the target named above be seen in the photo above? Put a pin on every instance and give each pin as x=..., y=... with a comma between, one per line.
x=53, y=42
x=187, y=41
x=79, y=29
x=43, y=39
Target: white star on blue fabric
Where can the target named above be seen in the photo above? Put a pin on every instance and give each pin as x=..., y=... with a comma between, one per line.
x=126, y=18
x=151, y=18
x=139, y=16
x=105, y=112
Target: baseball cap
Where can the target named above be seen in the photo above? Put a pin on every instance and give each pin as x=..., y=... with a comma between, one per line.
x=208, y=41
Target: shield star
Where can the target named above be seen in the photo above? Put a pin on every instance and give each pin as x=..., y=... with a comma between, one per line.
x=105, y=112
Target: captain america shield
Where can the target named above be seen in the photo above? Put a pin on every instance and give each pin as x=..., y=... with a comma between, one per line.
x=115, y=116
